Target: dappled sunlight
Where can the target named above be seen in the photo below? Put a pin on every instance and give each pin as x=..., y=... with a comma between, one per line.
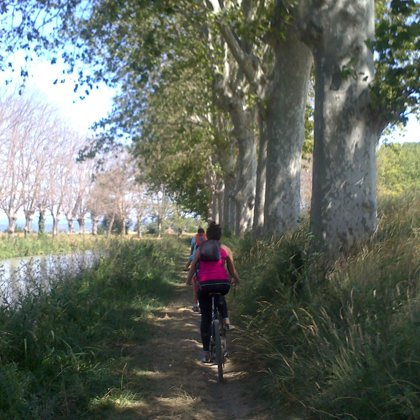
x=179, y=398
x=150, y=374
x=167, y=373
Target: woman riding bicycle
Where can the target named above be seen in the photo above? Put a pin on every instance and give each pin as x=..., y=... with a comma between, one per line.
x=216, y=268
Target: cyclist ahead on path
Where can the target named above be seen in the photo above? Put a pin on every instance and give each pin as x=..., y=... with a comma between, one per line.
x=216, y=269
x=196, y=241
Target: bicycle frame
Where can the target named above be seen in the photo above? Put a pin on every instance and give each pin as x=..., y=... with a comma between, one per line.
x=218, y=348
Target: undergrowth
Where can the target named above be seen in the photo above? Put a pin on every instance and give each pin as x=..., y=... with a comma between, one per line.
x=342, y=344
x=62, y=347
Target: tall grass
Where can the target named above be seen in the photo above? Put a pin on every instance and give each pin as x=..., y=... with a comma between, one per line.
x=345, y=344
x=19, y=246
x=60, y=349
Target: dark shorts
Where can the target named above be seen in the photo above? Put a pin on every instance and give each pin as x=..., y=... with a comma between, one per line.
x=214, y=286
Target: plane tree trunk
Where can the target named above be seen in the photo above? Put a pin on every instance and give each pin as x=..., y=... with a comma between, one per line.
x=287, y=96
x=343, y=209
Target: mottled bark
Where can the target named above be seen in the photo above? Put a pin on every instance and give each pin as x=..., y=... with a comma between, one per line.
x=220, y=198
x=229, y=205
x=216, y=212
x=243, y=122
x=258, y=223
x=281, y=91
x=214, y=208
x=343, y=209
x=287, y=96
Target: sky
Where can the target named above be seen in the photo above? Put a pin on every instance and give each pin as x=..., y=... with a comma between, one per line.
x=410, y=134
x=79, y=113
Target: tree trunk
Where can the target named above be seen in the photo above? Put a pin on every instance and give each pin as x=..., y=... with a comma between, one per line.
x=229, y=204
x=12, y=223
x=243, y=122
x=343, y=209
x=70, y=224
x=230, y=98
x=55, y=214
x=111, y=225
x=287, y=95
x=81, y=222
x=228, y=161
x=159, y=226
x=220, y=203
x=29, y=217
x=95, y=221
x=123, y=226
x=41, y=222
x=258, y=223
x=139, y=229
x=214, y=208
x=55, y=225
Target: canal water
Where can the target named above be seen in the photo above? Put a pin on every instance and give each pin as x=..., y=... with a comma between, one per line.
x=26, y=275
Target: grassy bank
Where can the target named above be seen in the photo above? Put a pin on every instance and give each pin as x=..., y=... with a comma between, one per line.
x=19, y=246
x=345, y=344
x=61, y=352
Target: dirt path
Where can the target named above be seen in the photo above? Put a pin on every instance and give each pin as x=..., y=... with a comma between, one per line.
x=181, y=386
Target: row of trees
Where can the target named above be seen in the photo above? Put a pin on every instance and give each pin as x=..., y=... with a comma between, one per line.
x=215, y=94
x=40, y=174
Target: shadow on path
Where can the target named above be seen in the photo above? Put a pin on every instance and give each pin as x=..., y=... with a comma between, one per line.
x=169, y=380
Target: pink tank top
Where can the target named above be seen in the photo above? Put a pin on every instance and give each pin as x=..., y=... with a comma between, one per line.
x=214, y=270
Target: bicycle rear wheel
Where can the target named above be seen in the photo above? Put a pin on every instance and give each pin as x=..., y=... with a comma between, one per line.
x=219, y=351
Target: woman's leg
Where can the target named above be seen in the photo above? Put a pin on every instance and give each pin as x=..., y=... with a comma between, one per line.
x=205, y=327
x=222, y=306
x=223, y=289
x=195, y=290
x=205, y=305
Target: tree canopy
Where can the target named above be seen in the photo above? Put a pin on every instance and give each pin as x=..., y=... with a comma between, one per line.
x=207, y=89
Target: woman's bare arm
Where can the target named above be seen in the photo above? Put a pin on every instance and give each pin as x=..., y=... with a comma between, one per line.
x=231, y=265
x=193, y=265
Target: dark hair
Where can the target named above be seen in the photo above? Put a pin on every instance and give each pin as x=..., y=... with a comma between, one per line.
x=200, y=230
x=214, y=231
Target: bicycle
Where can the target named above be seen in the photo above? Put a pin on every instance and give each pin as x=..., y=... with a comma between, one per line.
x=218, y=347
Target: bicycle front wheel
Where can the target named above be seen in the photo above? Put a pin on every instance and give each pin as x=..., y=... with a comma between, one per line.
x=219, y=351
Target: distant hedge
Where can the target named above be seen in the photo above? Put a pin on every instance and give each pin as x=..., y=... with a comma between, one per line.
x=398, y=168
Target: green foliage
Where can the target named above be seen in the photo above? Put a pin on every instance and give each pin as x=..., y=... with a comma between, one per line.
x=396, y=88
x=61, y=345
x=308, y=145
x=398, y=169
x=343, y=343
